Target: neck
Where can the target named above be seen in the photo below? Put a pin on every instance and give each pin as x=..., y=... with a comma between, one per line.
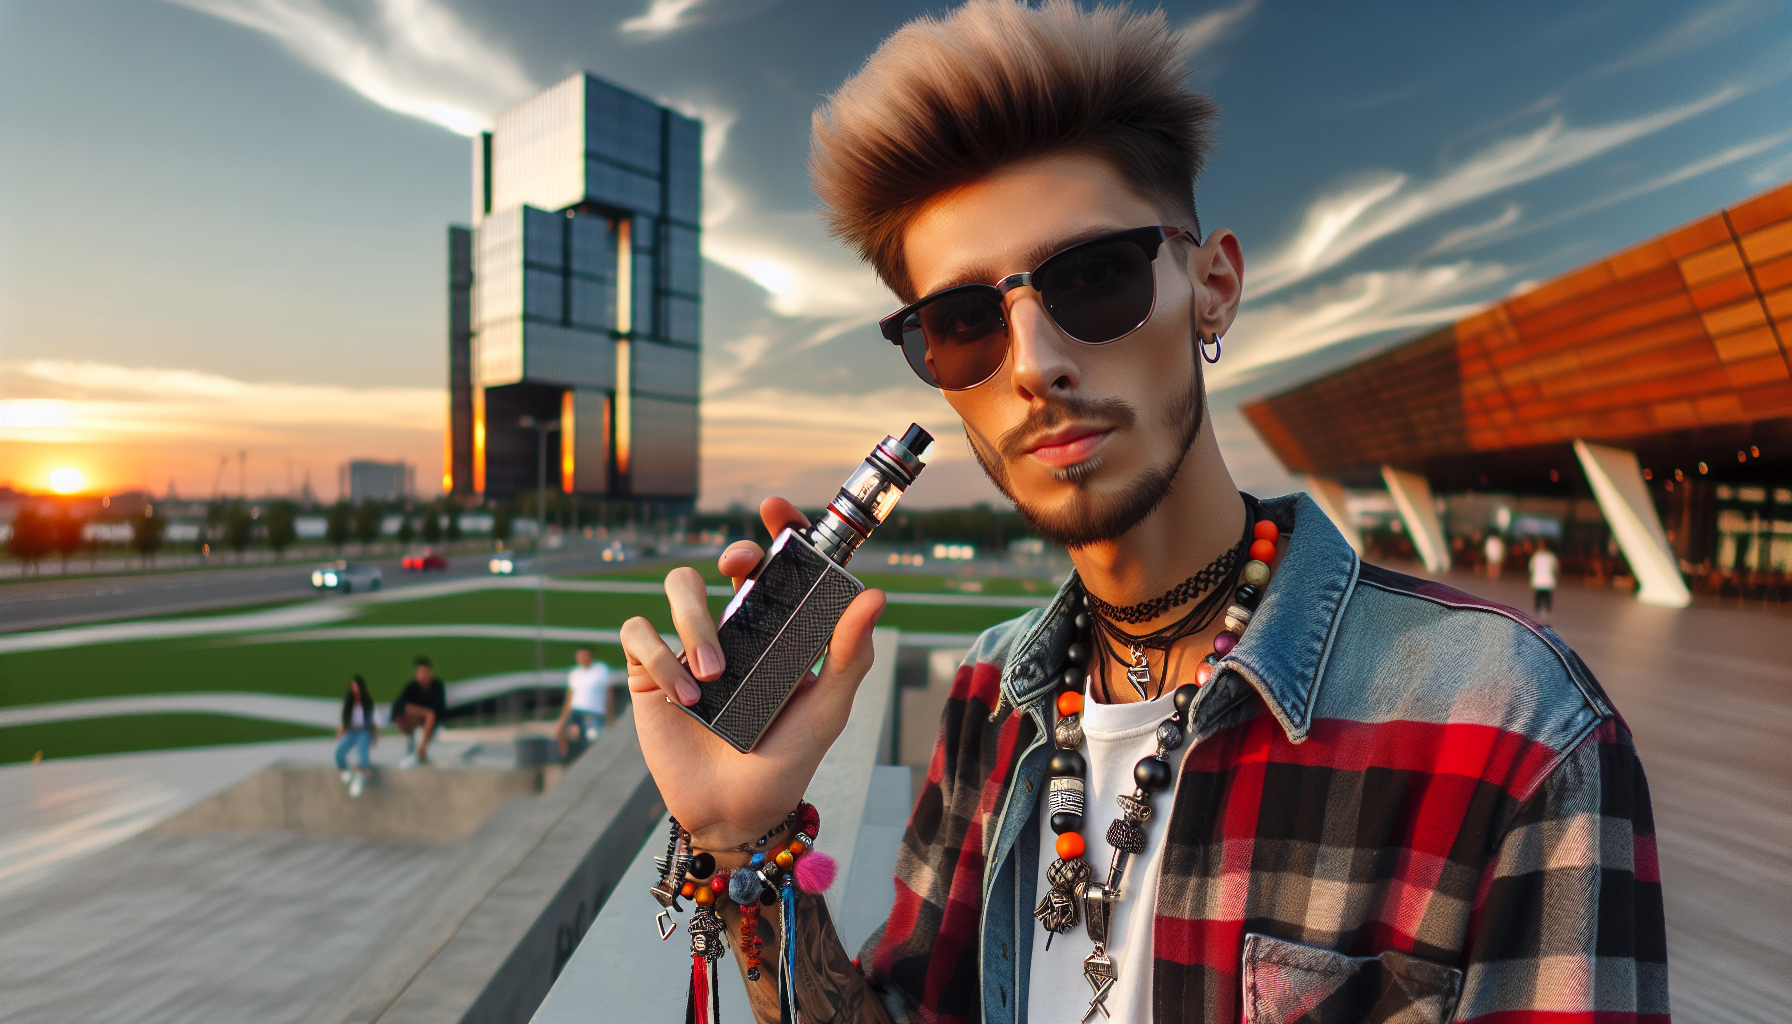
x=1200, y=518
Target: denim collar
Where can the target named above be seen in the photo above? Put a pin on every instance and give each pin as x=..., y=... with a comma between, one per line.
x=1282, y=655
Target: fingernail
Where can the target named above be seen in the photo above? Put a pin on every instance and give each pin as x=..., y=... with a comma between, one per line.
x=709, y=660
x=688, y=692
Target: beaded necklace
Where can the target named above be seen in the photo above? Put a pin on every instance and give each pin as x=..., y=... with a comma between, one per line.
x=1069, y=877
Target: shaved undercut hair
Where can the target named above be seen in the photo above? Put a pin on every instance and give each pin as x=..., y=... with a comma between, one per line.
x=948, y=100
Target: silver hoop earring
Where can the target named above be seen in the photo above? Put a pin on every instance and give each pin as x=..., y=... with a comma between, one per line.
x=1216, y=349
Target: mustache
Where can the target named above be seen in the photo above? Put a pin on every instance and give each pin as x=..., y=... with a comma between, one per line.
x=1017, y=441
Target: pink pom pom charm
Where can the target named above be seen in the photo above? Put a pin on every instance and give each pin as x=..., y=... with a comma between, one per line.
x=815, y=871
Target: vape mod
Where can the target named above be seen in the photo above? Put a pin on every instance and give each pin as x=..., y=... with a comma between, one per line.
x=779, y=622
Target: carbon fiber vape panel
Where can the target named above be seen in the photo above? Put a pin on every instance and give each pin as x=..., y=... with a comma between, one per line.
x=774, y=633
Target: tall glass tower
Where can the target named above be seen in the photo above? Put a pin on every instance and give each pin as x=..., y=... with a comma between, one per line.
x=575, y=297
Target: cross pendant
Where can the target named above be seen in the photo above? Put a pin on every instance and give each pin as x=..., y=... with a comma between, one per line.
x=1098, y=971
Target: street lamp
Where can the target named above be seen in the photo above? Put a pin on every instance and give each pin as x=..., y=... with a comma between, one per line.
x=542, y=429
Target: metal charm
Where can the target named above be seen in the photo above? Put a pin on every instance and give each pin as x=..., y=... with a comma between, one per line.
x=1098, y=971
x=1057, y=908
x=706, y=934
x=1139, y=673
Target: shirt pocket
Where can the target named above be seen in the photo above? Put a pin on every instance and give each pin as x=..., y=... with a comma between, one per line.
x=1290, y=983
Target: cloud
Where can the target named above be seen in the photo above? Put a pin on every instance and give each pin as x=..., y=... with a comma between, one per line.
x=1210, y=28
x=1342, y=224
x=1461, y=237
x=661, y=17
x=415, y=57
x=1359, y=306
x=89, y=402
x=1697, y=30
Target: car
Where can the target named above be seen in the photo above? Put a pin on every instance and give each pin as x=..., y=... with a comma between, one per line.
x=427, y=561
x=346, y=577
x=506, y=564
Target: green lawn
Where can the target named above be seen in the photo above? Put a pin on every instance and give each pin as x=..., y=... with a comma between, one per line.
x=140, y=732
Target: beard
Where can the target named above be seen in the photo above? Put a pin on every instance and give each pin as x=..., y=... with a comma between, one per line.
x=1087, y=518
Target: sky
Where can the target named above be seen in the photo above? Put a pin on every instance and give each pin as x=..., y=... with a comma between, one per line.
x=223, y=222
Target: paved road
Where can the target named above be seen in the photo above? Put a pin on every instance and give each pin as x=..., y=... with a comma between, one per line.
x=67, y=602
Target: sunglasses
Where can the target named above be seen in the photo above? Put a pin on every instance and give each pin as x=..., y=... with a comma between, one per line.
x=1096, y=291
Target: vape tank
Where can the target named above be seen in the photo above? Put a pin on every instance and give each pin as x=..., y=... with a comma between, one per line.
x=780, y=621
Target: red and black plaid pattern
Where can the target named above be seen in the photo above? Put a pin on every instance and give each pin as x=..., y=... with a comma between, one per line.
x=1460, y=832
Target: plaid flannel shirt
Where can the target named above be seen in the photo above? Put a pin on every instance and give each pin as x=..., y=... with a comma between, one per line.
x=1399, y=803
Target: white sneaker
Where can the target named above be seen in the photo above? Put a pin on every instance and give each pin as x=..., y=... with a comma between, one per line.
x=409, y=762
x=347, y=775
x=354, y=787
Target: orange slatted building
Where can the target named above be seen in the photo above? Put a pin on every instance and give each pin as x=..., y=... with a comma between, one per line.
x=1678, y=350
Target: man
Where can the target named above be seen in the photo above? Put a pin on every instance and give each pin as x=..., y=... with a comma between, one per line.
x=587, y=701
x=1495, y=552
x=420, y=708
x=1544, y=566
x=1388, y=800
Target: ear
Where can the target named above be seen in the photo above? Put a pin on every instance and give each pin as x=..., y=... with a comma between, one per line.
x=1216, y=268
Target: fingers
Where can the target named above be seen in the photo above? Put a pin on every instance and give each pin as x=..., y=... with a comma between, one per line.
x=828, y=699
x=689, y=598
x=653, y=666
x=779, y=514
x=739, y=560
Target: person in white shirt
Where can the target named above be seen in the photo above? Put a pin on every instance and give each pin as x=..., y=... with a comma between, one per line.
x=1543, y=579
x=1495, y=550
x=587, y=701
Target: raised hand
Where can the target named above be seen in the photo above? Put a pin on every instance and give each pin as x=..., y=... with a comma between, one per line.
x=722, y=796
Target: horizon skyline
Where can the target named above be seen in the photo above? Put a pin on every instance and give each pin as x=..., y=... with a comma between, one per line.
x=310, y=331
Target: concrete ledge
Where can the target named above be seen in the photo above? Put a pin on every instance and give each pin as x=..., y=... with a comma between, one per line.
x=495, y=923
x=428, y=805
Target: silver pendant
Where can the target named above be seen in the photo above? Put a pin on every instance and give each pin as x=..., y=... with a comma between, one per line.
x=1139, y=673
x=1098, y=971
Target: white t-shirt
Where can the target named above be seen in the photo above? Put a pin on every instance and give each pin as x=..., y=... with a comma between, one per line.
x=1543, y=569
x=588, y=686
x=1115, y=737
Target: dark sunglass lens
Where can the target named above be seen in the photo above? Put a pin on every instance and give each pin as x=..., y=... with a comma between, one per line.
x=1099, y=293
x=966, y=337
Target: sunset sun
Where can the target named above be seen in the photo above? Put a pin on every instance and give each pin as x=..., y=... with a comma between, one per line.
x=66, y=481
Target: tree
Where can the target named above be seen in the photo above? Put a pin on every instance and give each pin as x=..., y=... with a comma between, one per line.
x=367, y=521
x=502, y=520
x=237, y=527
x=146, y=533
x=65, y=533
x=282, y=527
x=30, y=539
x=340, y=525
x=406, y=530
x=452, y=531
x=432, y=524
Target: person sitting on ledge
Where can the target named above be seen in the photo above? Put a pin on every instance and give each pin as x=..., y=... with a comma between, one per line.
x=1230, y=772
x=418, y=712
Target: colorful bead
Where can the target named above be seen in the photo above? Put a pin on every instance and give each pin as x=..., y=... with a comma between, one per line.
x=1070, y=846
x=1263, y=550
x=785, y=858
x=1224, y=641
x=1256, y=573
x=719, y=883
x=1266, y=530
x=758, y=860
x=705, y=896
x=797, y=846
x=1203, y=673
x=689, y=890
x=1070, y=703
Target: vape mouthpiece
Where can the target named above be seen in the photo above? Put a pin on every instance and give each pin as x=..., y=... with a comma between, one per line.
x=867, y=497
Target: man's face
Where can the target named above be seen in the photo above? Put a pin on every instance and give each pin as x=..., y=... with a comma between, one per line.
x=1084, y=439
x=425, y=674
x=583, y=657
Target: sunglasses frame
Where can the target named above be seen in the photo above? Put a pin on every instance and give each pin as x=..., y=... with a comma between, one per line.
x=1148, y=239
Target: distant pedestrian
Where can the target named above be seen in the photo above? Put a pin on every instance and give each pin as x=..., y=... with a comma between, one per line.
x=419, y=711
x=587, y=701
x=1495, y=550
x=358, y=732
x=1544, y=566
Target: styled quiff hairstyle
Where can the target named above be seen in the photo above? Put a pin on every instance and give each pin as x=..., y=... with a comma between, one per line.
x=946, y=101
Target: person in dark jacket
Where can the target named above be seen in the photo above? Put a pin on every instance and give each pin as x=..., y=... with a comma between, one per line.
x=358, y=731
x=419, y=709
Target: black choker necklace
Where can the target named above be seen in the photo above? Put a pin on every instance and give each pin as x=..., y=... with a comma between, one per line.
x=1217, y=571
